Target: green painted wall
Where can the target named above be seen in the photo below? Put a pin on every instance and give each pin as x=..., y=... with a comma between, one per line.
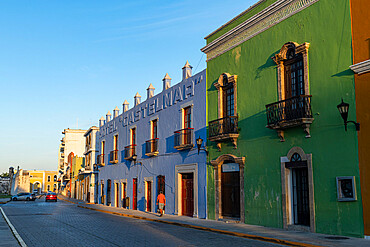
x=240, y=19
x=326, y=26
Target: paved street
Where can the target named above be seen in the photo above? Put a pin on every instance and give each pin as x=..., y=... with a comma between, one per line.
x=56, y=224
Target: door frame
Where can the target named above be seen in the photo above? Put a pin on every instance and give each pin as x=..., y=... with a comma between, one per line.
x=286, y=185
x=217, y=166
x=134, y=193
x=186, y=168
x=150, y=179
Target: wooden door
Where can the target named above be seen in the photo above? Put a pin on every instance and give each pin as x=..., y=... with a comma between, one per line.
x=124, y=195
x=149, y=196
x=134, y=194
x=230, y=194
x=187, y=194
x=109, y=189
x=117, y=194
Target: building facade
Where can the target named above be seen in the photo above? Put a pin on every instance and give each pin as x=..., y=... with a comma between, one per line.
x=361, y=68
x=279, y=153
x=151, y=148
x=72, y=142
x=37, y=181
x=89, y=173
x=43, y=181
x=76, y=188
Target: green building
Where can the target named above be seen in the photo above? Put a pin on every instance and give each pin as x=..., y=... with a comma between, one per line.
x=279, y=155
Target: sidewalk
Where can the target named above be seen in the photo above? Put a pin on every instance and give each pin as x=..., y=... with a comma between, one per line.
x=272, y=235
x=6, y=235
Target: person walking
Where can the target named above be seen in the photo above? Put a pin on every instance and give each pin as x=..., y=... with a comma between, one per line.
x=161, y=202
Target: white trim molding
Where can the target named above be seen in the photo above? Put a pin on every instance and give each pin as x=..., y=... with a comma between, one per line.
x=270, y=16
x=362, y=67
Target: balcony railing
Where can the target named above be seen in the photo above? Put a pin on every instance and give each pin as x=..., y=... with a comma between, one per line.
x=290, y=112
x=100, y=160
x=113, y=157
x=151, y=147
x=184, y=139
x=130, y=151
x=224, y=129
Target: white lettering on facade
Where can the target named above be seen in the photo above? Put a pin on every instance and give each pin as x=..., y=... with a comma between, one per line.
x=170, y=97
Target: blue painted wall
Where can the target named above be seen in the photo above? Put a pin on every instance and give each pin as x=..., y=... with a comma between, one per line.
x=190, y=91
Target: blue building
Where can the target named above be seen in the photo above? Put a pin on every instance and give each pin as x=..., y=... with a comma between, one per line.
x=152, y=147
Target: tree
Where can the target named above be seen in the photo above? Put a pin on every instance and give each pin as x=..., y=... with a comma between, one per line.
x=4, y=175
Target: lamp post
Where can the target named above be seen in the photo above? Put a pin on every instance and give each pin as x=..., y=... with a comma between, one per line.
x=343, y=110
x=199, y=145
x=134, y=158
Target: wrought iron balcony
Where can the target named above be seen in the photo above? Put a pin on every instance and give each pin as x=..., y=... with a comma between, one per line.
x=151, y=147
x=184, y=139
x=113, y=157
x=100, y=160
x=224, y=129
x=130, y=151
x=288, y=113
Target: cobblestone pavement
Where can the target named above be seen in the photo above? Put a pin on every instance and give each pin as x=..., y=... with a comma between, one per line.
x=42, y=223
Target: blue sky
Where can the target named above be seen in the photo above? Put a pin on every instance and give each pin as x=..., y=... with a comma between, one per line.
x=64, y=63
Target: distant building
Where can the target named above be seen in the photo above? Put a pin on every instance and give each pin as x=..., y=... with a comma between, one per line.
x=72, y=142
x=43, y=181
x=4, y=185
x=30, y=180
x=78, y=163
x=89, y=173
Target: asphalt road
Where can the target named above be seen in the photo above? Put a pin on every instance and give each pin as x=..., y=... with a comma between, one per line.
x=42, y=223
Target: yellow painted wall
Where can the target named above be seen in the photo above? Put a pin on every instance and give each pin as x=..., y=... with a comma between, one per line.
x=42, y=178
x=77, y=164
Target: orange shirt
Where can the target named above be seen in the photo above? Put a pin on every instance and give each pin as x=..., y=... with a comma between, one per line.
x=161, y=198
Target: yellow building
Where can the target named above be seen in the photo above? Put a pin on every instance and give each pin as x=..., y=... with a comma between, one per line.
x=43, y=181
x=77, y=164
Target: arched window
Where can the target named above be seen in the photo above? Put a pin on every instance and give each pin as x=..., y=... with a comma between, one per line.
x=48, y=178
x=296, y=157
x=55, y=178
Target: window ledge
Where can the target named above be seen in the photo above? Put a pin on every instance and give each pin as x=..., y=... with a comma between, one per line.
x=290, y=124
x=184, y=147
x=114, y=161
x=152, y=154
x=362, y=67
x=223, y=137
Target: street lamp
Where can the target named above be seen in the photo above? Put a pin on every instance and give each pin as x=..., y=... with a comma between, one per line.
x=134, y=157
x=343, y=110
x=199, y=145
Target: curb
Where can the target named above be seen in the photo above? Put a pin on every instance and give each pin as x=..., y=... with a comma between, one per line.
x=236, y=234
x=14, y=231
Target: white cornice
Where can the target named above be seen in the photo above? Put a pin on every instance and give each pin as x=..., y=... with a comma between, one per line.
x=270, y=16
x=360, y=68
x=235, y=18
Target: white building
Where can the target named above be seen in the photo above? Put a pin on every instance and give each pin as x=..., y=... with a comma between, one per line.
x=72, y=142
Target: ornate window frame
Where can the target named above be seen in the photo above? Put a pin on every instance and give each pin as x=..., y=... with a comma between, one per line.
x=281, y=57
x=219, y=85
